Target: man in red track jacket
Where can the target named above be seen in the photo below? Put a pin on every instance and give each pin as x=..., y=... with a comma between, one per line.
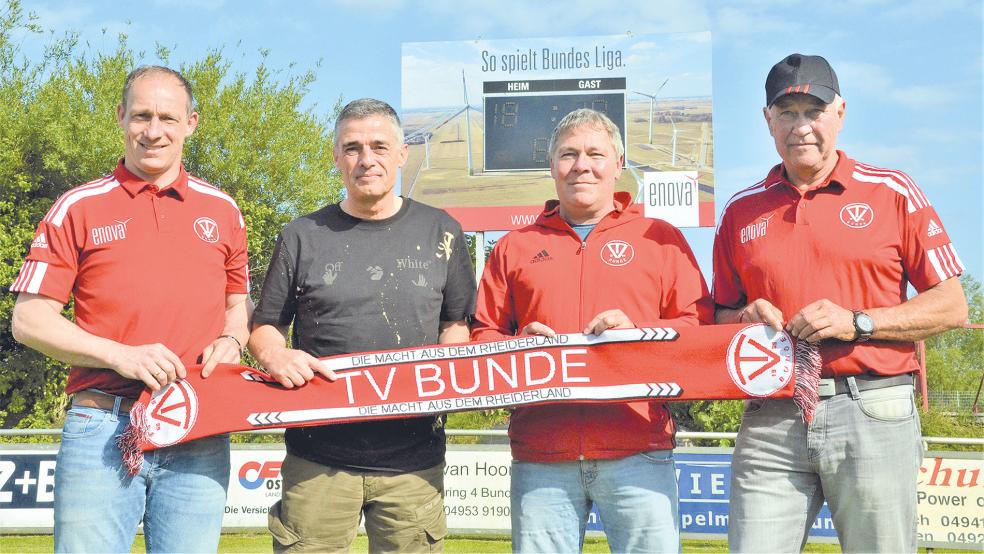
x=591, y=262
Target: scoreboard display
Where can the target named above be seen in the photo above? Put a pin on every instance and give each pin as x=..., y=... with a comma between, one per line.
x=520, y=116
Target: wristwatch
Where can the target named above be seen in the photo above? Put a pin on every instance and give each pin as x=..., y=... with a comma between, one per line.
x=864, y=326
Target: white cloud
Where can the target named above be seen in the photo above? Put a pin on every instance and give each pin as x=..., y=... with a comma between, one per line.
x=920, y=10
x=644, y=45
x=881, y=154
x=945, y=135
x=862, y=77
x=750, y=23
x=379, y=9
x=190, y=5
x=63, y=17
x=875, y=80
x=528, y=19
x=922, y=96
x=431, y=84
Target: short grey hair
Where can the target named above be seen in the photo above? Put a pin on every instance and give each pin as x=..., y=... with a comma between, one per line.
x=145, y=70
x=368, y=107
x=586, y=117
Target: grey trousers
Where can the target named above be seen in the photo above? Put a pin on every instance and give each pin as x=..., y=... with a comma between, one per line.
x=861, y=454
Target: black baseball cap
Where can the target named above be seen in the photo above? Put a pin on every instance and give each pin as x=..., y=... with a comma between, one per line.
x=797, y=73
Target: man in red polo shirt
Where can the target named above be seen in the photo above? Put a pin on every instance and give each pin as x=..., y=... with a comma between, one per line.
x=826, y=248
x=156, y=262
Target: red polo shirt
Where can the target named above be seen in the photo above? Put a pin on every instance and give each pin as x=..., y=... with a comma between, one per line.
x=144, y=264
x=857, y=240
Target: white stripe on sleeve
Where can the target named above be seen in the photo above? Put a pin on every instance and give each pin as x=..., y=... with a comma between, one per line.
x=35, y=283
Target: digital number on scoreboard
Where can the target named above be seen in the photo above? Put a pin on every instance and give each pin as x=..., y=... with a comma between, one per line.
x=520, y=116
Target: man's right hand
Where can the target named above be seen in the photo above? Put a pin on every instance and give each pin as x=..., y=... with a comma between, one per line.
x=537, y=328
x=38, y=323
x=761, y=311
x=291, y=367
x=153, y=364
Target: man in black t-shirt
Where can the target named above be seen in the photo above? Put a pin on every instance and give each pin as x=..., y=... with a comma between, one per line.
x=375, y=271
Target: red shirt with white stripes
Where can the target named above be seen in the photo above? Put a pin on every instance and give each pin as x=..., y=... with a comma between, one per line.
x=856, y=239
x=145, y=265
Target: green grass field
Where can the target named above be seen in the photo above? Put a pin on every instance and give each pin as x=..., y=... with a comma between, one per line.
x=260, y=542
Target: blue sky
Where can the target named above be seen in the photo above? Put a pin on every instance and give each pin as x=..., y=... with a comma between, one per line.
x=910, y=71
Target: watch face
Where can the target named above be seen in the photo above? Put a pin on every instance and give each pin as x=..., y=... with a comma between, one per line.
x=864, y=323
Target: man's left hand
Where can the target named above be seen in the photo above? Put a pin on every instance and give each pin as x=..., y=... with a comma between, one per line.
x=223, y=350
x=821, y=320
x=608, y=319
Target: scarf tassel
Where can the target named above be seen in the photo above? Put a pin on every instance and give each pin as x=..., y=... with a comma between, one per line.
x=133, y=437
x=806, y=395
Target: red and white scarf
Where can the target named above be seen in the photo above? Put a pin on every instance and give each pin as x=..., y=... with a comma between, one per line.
x=693, y=363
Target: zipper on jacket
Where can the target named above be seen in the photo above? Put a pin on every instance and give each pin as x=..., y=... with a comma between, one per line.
x=580, y=312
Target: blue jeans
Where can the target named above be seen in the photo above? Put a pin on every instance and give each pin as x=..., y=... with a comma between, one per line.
x=179, y=494
x=861, y=454
x=636, y=498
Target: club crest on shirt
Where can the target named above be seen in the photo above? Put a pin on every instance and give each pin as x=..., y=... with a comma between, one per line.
x=857, y=216
x=207, y=229
x=617, y=253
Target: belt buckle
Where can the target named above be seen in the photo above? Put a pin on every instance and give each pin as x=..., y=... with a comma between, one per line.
x=828, y=387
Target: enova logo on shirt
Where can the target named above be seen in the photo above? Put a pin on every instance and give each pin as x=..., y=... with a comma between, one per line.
x=108, y=233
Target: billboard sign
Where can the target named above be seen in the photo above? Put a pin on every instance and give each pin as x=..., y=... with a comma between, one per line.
x=478, y=116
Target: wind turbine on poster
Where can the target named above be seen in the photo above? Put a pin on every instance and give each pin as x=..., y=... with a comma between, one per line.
x=464, y=88
x=652, y=103
x=424, y=135
x=673, y=148
x=704, y=139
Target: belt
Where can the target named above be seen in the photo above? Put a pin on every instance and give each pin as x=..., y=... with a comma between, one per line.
x=839, y=385
x=101, y=400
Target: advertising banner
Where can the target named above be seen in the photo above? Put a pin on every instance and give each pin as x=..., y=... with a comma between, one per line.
x=950, y=493
x=951, y=501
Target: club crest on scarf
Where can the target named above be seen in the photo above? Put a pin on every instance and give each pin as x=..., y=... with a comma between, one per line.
x=760, y=360
x=171, y=413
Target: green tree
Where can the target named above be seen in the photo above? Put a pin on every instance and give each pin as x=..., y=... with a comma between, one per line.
x=954, y=360
x=58, y=130
x=27, y=377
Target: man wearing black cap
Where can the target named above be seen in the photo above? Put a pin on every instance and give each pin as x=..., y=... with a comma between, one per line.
x=825, y=247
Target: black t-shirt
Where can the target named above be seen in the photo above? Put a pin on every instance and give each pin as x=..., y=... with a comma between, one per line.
x=353, y=285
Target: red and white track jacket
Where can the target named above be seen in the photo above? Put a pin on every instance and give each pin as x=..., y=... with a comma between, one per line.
x=544, y=273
